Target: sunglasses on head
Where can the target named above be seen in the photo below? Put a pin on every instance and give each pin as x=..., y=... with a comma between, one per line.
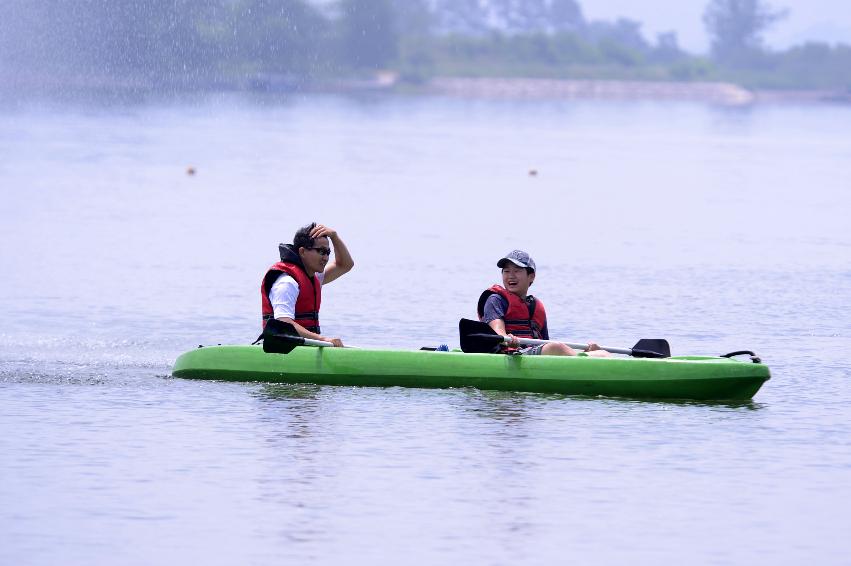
x=322, y=251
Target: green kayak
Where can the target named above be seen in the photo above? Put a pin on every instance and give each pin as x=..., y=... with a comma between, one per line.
x=686, y=377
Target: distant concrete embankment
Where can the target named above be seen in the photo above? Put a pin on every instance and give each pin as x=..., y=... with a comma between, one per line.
x=521, y=88
x=38, y=82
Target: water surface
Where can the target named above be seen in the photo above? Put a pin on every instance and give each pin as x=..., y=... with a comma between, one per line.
x=718, y=229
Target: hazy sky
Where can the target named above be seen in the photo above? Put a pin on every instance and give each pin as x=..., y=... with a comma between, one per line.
x=824, y=20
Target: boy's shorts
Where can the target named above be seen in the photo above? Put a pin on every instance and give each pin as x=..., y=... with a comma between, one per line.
x=531, y=350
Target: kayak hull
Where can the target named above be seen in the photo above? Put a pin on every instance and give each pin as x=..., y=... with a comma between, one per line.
x=693, y=377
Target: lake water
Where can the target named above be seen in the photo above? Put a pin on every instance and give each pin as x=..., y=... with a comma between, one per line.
x=716, y=228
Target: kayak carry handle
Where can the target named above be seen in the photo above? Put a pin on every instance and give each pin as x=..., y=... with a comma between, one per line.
x=754, y=358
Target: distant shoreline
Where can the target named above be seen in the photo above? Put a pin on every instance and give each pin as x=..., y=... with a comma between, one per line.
x=506, y=88
x=722, y=93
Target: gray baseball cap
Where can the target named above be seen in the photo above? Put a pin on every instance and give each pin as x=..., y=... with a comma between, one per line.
x=518, y=258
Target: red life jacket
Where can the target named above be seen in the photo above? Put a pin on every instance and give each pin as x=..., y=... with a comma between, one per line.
x=523, y=318
x=309, y=295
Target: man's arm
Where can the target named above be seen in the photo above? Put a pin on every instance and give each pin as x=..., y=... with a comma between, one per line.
x=305, y=333
x=342, y=262
x=283, y=297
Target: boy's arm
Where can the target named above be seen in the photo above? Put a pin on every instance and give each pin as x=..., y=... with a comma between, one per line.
x=494, y=309
x=498, y=326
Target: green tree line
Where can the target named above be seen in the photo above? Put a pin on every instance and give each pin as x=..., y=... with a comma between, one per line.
x=205, y=43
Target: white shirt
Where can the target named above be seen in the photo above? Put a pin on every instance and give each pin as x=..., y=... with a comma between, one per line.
x=284, y=294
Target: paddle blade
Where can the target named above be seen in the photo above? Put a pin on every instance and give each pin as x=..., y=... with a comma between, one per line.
x=477, y=337
x=651, y=348
x=280, y=344
x=280, y=337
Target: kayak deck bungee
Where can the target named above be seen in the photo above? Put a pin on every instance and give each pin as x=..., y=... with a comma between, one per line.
x=684, y=377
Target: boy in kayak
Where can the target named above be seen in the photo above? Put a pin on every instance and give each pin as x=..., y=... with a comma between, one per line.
x=510, y=311
x=291, y=290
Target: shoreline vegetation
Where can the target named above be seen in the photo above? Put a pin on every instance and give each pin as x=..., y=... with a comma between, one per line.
x=534, y=49
x=492, y=88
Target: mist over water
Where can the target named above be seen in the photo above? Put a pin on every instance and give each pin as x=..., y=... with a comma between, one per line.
x=719, y=229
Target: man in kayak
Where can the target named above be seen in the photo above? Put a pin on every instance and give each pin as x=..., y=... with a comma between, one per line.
x=513, y=313
x=291, y=290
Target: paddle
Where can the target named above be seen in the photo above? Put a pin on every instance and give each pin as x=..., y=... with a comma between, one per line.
x=478, y=337
x=281, y=337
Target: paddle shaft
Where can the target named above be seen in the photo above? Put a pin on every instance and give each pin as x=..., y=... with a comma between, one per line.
x=320, y=343
x=479, y=338
x=584, y=347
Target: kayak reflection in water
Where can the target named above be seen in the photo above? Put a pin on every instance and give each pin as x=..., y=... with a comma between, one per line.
x=291, y=290
x=513, y=313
